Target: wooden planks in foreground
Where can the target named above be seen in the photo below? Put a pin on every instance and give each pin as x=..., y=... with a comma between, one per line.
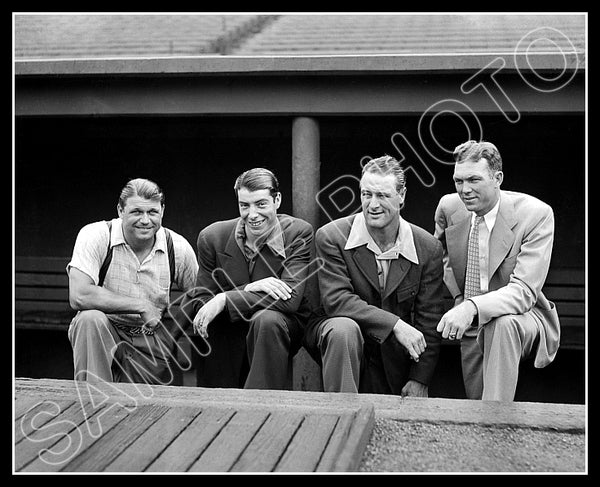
x=67, y=431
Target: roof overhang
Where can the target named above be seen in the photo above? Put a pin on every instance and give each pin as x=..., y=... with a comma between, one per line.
x=304, y=65
x=306, y=85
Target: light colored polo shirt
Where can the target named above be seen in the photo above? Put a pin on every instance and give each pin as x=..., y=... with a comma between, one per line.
x=126, y=276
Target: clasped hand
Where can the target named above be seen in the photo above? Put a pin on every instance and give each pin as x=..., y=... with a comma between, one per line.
x=151, y=317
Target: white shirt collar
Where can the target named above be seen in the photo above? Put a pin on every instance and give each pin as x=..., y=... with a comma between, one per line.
x=490, y=217
x=405, y=242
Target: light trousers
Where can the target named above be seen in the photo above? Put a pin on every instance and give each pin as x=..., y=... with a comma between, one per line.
x=491, y=354
x=104, y=352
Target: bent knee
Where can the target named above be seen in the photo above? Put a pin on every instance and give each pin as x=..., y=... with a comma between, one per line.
x=507, y=326
x=342, y=329
x=90, y=318
x=268, y=318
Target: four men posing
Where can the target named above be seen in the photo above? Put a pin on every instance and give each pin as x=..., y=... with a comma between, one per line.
x=380, y=280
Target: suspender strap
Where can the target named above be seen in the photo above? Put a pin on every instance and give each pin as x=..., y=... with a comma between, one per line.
x=171, y=255
x=108, y=258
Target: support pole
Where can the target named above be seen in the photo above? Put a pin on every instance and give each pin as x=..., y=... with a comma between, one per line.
x=306, y=166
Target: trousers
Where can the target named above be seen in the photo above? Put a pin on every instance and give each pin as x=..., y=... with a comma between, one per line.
x=492, y=352
x=254, y=354
x=105, y=352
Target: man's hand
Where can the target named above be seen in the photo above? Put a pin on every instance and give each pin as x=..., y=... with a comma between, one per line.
x=411, y=338
x=271, y=286
x=151, y=318
x=207, y=313
x=415, y=389
x=455, y=322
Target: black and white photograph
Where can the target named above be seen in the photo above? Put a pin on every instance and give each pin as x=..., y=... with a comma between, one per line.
x=300, y=243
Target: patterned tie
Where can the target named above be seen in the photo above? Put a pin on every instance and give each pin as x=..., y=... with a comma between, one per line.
x=472, y=282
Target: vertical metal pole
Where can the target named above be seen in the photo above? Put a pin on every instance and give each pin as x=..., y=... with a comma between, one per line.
x=306, y=166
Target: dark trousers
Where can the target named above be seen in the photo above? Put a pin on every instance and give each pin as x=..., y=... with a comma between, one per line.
x=255, y=354
x=385, y=367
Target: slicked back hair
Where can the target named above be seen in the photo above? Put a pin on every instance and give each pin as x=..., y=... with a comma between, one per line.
x=473, y=151
x=386, y=165
x=256, y=179
x=144, y=188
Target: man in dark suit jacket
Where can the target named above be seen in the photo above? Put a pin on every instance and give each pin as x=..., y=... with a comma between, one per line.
x=249, y=301
x=381, y=288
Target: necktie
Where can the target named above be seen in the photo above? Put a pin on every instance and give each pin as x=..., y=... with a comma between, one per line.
x=472, y=280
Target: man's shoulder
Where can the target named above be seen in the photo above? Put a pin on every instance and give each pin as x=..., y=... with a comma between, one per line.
x=293, y=223
x=451, y=202
x=525, y=202
x=95, y=230
x=220, y=227
x=421, y=235
x=339, y=228
x=179, y=241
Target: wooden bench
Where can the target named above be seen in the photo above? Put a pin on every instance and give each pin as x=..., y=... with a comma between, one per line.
x=566, y=288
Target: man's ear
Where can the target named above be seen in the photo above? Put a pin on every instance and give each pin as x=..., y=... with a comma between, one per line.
x=499, y=177
x=119, y=210
x=277, y=200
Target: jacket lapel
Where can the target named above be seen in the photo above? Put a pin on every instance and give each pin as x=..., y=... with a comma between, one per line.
x=234, y=263
x=457, y=237
x=502, y=236
x=365, y=261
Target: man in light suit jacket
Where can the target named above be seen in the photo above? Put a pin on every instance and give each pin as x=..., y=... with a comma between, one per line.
x=249, y=301
x=381, y=286
x=500, y=314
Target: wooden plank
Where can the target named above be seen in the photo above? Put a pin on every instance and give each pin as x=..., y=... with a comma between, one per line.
x=338, y=438
x=44, y=438
x=566, y=275
x=51, y=306
x=316, y=430
x=24, y=404
x=270, y=443
x=115, y=442
x=102, y=421
x=572, y=322
x=154, y=440
x=43, y=412
x=349, y=440
x=570, y=309
x=42, y=294
x=564, y=293
x=361, y=428
x=226, y=448
x=26, y=263
x=38, y=325
x=186, y=448
x=41, y=280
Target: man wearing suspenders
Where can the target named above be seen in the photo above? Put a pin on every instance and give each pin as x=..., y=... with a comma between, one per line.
x=120, y=277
